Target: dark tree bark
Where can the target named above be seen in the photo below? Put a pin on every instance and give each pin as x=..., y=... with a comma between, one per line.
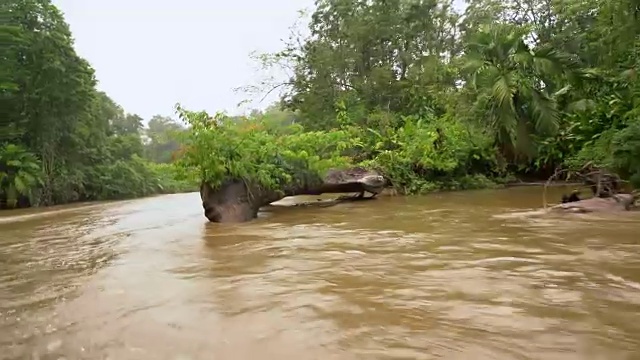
x=236, y=200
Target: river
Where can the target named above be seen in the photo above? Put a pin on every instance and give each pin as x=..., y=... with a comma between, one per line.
x=449, y=276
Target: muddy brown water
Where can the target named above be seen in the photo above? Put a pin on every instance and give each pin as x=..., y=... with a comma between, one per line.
x=454, y=276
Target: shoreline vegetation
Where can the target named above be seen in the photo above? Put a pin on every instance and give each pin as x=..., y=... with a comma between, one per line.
x=430, y=98
x=63, y=141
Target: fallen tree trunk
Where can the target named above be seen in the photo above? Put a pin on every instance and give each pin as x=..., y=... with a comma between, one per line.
x=236, y=200
x=619, y=202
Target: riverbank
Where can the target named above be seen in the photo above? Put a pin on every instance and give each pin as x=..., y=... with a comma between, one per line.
x=4, y=211
x=541, y=184
x=24, y=214
x=27, y=213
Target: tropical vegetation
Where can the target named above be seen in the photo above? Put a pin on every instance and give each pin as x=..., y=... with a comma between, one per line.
x=62, y=140
x=432, y=96
x=437, y=98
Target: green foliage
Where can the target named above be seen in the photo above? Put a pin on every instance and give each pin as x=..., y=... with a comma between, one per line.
x=507, y=74
x=626, y=152
x=425, y=152
x=438, y=103
x=19, y=173
x=163, y=139
x=171, y=178
x=431, y=98
x=220, y=148
x=416, y=154
x=520, y=87
x=136, y=178
x=61, y=140
x=616, y=150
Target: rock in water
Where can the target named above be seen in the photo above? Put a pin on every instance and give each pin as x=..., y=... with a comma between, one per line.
x=238, y=201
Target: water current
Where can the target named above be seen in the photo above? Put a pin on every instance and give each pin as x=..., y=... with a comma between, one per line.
x=462, y=275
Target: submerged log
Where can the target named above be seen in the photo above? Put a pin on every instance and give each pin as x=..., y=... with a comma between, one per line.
x=236, y=200
x=619, y=202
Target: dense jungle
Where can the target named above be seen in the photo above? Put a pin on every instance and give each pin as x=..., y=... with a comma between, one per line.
x=430, y=96
x=61, y=139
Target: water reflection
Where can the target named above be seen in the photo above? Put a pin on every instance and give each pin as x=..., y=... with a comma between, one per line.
x=421, y=278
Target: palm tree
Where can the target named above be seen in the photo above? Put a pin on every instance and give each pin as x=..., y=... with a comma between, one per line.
x=514, y=85
x=19, y=173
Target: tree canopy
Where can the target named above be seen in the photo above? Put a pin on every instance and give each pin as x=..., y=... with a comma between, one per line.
x=61, y=139
x=439, y=99
x=430, y=97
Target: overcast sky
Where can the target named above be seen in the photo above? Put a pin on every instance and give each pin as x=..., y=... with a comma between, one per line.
x=150, y=54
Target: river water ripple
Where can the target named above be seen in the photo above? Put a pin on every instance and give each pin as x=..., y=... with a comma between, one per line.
x=442, y=276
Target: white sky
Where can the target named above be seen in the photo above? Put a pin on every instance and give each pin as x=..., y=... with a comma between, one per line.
x=151, y=54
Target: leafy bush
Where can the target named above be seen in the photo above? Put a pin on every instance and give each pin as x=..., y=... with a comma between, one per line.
x=626, y=152
x=20, y=174
x=423, y=154
x=220, y=148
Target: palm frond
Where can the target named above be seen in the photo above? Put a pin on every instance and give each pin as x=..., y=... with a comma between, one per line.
x=545, y=113
x=20, y=185
x=629, y=75
x=502, y=91
x=12, y=196
x=473, y=64
x=565, y=90
x=523, y=142
x=581, y=105
x=504, y=111
x=485, y=76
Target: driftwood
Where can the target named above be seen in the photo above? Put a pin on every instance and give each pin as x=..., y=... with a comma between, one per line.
x=333, y=202
x=605, y=187
x=236, y=200
x=619, y=202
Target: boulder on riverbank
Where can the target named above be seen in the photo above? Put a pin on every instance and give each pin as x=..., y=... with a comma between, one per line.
x=237, y=200
x=619, y=202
